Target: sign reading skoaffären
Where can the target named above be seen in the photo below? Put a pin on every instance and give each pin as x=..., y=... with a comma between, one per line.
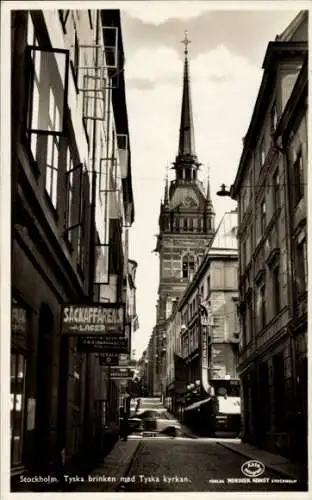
x=102, y=319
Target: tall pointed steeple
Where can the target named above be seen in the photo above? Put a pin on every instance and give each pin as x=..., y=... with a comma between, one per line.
x=186, y=150
x=186, y=137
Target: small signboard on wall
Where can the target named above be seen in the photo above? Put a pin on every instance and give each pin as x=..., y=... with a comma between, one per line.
x=104, y=344
x=93, y=319
x=109, y=358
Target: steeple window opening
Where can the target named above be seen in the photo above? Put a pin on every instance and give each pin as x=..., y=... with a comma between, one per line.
x=185, y=225
x=191, y=224
x=187, y=174
x=200, y=225
x=188, y=266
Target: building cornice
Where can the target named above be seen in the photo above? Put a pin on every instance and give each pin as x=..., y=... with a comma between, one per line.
x=275, y=51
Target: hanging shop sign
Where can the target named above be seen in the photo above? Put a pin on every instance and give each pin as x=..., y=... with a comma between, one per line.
x=101, y=319
x=124, y=360
x=109, y=358
x=204, y=359
x=120, y=373
x=105, y=344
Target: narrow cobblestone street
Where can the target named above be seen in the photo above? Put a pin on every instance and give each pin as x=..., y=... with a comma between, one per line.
x=182, y=465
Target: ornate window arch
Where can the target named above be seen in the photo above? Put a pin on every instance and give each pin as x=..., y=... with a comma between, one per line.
x=188, y=266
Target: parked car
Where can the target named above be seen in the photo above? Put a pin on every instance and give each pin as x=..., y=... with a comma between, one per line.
x=156, y=420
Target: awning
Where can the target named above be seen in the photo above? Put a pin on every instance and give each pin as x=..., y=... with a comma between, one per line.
x=197, y=404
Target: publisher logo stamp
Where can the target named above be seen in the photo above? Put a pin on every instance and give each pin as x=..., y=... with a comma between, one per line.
x=252, y=468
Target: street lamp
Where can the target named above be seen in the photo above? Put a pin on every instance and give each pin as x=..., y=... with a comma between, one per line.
x=223, y=191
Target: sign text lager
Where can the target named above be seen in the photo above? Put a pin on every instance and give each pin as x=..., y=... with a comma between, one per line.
x=101, y=319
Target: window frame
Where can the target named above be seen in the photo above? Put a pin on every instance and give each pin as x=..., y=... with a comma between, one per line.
x=276, y=191
x=298, y=169
x=276, y=287
x=301, y=270
x=30, y=77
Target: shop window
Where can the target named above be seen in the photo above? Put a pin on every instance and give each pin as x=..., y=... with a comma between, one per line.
x=18, y=374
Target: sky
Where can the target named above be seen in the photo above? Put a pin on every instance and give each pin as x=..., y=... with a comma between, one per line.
x=226, y=56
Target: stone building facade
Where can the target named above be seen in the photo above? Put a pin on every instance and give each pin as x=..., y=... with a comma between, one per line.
x=190, y=367
x=71, y=202
x=270, y=188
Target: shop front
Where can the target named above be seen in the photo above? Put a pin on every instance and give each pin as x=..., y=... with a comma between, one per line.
x=18, y=371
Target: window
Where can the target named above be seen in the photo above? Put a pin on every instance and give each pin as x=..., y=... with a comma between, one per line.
x=185, y=224
x=261, y=306
x=263, y=217
x=298, y=177
x=262, y=153
x=52, y=168
x=208, y=285
x=200, y=225
x=191, y=224
x=276, y=289
x=177, y=223
x=47, y=72
x=17, y=408
x=301, y=264
x=273, y=117
x=188, y=267
x=276, y=191
x=73, y=215
x=250, y=319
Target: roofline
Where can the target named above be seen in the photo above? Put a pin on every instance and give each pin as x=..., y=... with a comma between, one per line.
x=299, y=91
x=264, y=94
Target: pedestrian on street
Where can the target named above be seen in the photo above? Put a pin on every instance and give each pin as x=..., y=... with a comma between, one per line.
x=124, y=424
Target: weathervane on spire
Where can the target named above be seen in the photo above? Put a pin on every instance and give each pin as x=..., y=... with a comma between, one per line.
x=186, y=41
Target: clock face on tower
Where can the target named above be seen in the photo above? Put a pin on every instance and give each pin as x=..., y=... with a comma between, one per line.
x=189, y=202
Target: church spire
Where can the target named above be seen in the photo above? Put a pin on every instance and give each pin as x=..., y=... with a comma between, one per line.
x=186, y=137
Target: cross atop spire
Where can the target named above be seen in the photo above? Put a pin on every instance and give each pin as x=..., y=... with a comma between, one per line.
x=186, y=42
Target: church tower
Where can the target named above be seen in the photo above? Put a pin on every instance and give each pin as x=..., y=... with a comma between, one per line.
x=187, y=217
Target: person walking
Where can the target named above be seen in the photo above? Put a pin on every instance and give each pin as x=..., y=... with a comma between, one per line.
x=124, y=425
